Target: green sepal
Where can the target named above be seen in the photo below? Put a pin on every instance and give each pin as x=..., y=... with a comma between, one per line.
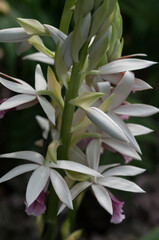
x=98, y=50
x=52, y=151
x=106, y=104
x=82, y=8
x=86, y=99
x=117, y=50
x=33, y=27
x=75, y=235
x=36, y=42
x=100, y=15
x=80, y=34
x=61, y=69
x=77, y=176
x=84, y=136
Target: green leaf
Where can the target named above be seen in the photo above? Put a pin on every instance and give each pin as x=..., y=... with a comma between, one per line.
x=86, y=99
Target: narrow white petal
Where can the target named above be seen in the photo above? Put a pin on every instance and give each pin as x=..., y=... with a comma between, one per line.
x=124, y=171
x=137, y=129
x=136, y=110
x=36, y=184
x=16, y=87
x=13, y=35
x=103, y=168
x=76, y=167
x=18, y=171
x=16, y=101
x=25, y=155
x=77, y=154
x=40, y=82
x=48, y=109
x=75, y=191
x=44, y=124
x=105, y=88
x=113, y=78
x=93, y=153
x=106, y=123
x=119, y=183
x=122, y=148
x=122, y=90
x=61, y=188
x=134, y=55
x=125, y=129
x=122, y=65
x=103, y=197
x=140, y=85
x=39, y=57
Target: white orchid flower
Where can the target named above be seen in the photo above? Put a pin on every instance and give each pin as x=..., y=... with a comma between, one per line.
x=28, y=95
x=110, y=179
x=39, y=57
x=43, y=171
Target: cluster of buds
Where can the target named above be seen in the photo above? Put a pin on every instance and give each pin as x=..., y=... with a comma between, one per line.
x=90, y=118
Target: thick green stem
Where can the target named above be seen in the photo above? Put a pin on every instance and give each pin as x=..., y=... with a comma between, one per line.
x=69, y=109
x=66, y=16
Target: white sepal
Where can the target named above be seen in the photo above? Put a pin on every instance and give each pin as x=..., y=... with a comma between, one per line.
x=40, y=82
x=13, y=35
x=25, y=155
x=120, y=184
x=136, y=110
x=137, y=129
x=36, y=184
x=61, y=188
x=93, y=153
x=18, y=171
x=39, y=57
x=48, y=109
x=103, y=197
x=122, y=65
x=124, y=171
x=16, y=101
x=106, y=123
x=56, y=34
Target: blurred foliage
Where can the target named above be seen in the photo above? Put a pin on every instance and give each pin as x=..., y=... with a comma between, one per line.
x=152, y=235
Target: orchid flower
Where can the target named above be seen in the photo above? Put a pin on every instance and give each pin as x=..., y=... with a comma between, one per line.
x=44, y=170
x=108, y=180
x=28, y=95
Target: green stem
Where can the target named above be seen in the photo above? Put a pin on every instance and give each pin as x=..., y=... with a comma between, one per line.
x=66, y=16
x=69, y=109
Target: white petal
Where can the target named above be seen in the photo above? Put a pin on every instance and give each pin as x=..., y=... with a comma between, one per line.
x=119, y=183
x=18, y=80
x=18, y=171
x=103, y=121
x=48, y=109
x=122, y=65
x=105, y=88
x=122, y=148
x=136, y=110
x=40, y=57
x=122, y=90
x=61, y=188
x=140, y=85
x=76, y=167
x=124, y=171
x=56, y=34
x=103, y=168
x=103, y=197
x=13, y=35
x=113, y=78
x=137, y=129
x=93, y=153
x=123, y=126
x=36, y=184
x=75, y=191
x=134, y=55
x=16, y=87
x=77, y=154
x=40, y=82
x=25, y=155
x=16, y=101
